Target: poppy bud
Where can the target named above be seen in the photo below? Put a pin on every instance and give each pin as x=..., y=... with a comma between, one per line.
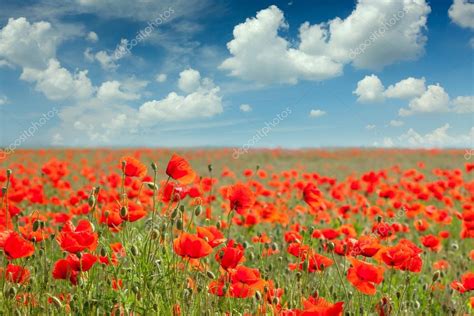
x=96, y=190
x=174, y=214
x=91, y=200
x=123, y=211
x=11, y=293
x=198, y=210
x=379, y=219
x=454, y=246
x=9, y=173
x=251, y=256
x=210, y=275
x=103, y=252
x=151, y=186
x=258, y=295
x=274, y=246
x=305, y=265
x=275, y=300
x=218, y=225
x=124, y=163
x=181, y=208
x=154, y=166
x=4, y=190
x=436, y=276
x=154, y=234
x=36, y=226
x=331, y=246
x=134, y=250
x=179, y=224
x=209, y=167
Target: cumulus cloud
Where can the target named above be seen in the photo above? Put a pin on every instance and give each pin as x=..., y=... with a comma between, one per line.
x=189, y=80
x=202, y=100
x=3, y=100
x=245, y=108
x=28, y=44
x=408, y=88
x=422, y=99
x=370, y=127
x=461, y=12
x=92, y=37
x=439, y=137
x=57, y=83
x=370, y=89
x=365, y=38
x=316, y=113
x=160, y=78
x=434, y=99
x=114, y=90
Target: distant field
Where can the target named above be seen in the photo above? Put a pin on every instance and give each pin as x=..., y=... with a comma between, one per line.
x=286, y=232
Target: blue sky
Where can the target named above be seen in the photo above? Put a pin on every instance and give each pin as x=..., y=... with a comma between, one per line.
x=216, y=73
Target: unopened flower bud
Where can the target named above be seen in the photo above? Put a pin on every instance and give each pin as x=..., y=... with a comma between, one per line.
x=198, y=210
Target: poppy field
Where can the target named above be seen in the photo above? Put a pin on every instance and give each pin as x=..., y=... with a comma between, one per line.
x=275, y=232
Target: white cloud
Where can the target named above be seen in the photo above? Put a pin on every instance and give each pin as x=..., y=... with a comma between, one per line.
x=114, y=90
x=461, y=12
x=245, y=108
x=92, y=37
x=436, y=138
x=201, y=101
x=28, y=45
x=260, y=54
x=434, y=99
x=370, y=89
x=316, y=113
x=408, y=88
x=463, y=104
x=388, y=142
x=370, y=127
x=161, y=78
x=106, y=61
x=3, y=100
x=396, y=123
x=57, y=83
x=189, y=80
x=422, y=99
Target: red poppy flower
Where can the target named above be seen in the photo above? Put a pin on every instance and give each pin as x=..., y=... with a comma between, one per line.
x=313, y=197
x=319, y=306
x=16, y=247
x=211, y=234
x=230, y=256
x=17, y=274
x=191, y=246
x=241, y=198
x=466, y=284
x=404, y=256
x=432, y=242
x=133, y=167
x=245, y=281
x=364, y=276
x=69, y=268
x=179, y=169
x=76, y=239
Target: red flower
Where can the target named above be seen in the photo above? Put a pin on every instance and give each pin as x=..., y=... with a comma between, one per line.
x=320, y=307
x=133, y=167
x=404, y=256
x=211, y=234
x=69, y=268
x=431, y=242
x=16, y=247
x=312, y=196
x=76, y=239
x=364, y=276
x=180, y=170
x=466, y=284
x=245, y=281
x=191, y=246
x=230, y=256
x=241, y=198
x=17, y=274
